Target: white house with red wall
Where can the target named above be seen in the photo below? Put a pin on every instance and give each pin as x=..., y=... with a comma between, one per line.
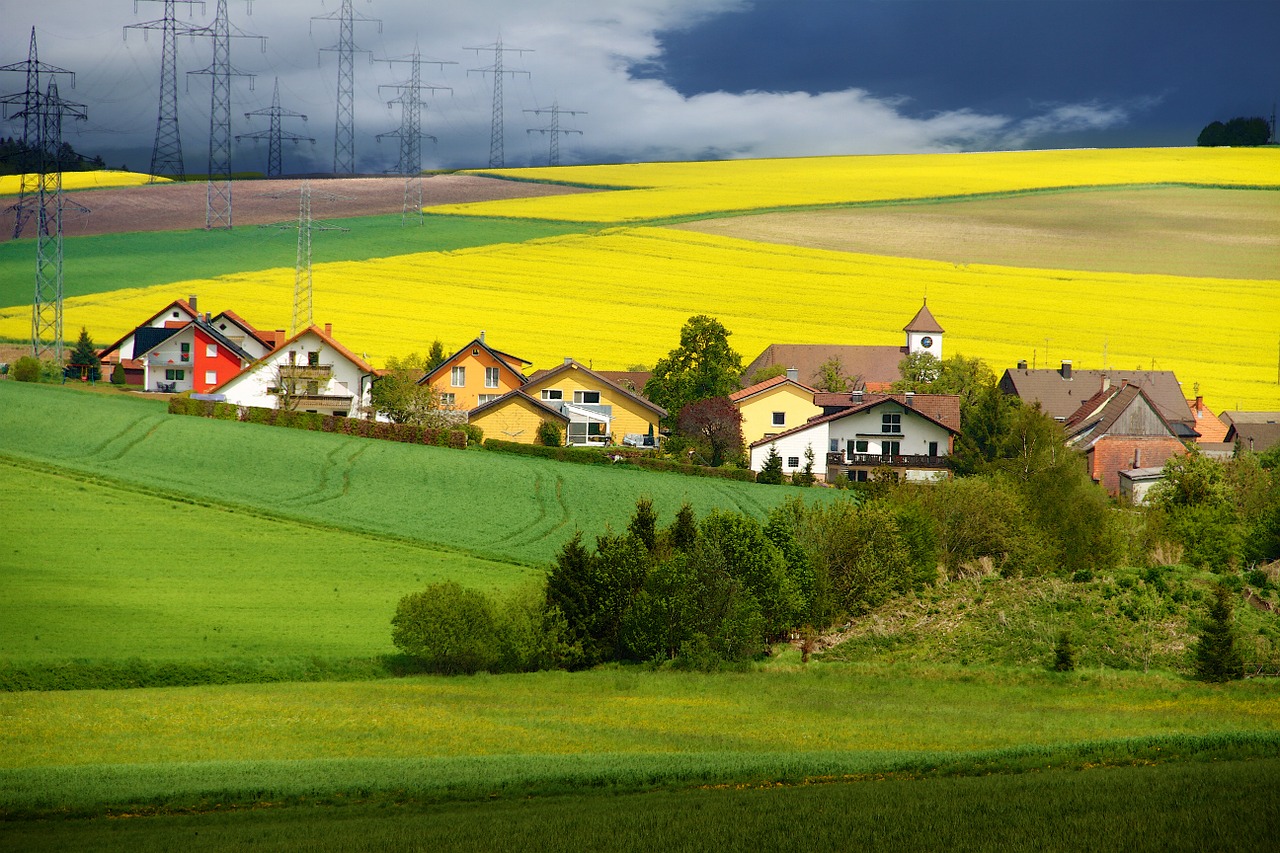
x=196, y=357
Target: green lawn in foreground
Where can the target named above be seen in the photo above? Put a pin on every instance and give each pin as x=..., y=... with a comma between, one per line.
x=492, y=505
x=98, y=573
x=1188, y=807
x=107, y=262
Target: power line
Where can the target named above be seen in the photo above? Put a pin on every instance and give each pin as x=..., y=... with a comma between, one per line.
x=344, y=148
x=554, y=130
x=166, y=153
x=496, y=127
x=410, y=133
x=220, y=71
x=275, y=134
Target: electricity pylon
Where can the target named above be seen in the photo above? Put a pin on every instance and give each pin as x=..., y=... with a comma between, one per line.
x=42, y=116
x=166, y=153
x=344, y=146
x=496, y=127
x=410, y=133
x=303, y=314
x=217, y=211
x=275, y=135
x=555, y=130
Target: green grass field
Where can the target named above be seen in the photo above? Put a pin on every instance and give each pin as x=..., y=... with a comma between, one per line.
x=119, y=261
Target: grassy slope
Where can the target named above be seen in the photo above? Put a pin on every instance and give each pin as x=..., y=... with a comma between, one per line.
x=104, y=263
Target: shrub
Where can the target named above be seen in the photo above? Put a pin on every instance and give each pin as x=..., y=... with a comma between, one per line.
x=117, y=375
x=1064, y=654
x=1215, y=653
x=549, y=434
x=450, y=629
x=26, y=369
x=474, y=434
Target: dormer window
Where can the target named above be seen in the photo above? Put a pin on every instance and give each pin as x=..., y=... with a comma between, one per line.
x=891, y=423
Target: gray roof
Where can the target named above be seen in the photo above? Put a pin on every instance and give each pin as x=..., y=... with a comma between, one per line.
x=1061, y=392
x=859, y=364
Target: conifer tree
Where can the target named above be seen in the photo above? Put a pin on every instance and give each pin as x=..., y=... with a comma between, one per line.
x=1215, y=653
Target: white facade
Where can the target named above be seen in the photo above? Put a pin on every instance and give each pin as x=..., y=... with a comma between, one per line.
x=323, y=377
x=887, y=433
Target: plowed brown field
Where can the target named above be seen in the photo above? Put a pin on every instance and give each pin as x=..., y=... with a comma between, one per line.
x=176, y=207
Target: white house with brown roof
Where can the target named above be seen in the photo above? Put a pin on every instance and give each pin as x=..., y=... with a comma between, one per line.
x=883, y=432
x=311, y=372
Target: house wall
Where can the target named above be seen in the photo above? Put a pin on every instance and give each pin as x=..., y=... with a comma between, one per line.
x=211, y=371
x=796, y=405
x=792, y=447
x=167, y=359
x=629, y=415
x=241, y=338
x=1114, y=453
x=474, y=360
x=516, y=420
x=914, y=440
x=346, y=383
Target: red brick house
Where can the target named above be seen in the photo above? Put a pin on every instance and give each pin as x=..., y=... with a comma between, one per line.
x=1120, y=429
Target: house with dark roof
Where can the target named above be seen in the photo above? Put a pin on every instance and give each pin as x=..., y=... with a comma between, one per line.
x=1121, y=429
x=310, y=372
x=588, y=408
x=884, y=432
x=194, y=357
x=474, y=375
x=869, y=367
x=146, y=334
x=1061, y=392
x=1256, y=432
x=774, y=406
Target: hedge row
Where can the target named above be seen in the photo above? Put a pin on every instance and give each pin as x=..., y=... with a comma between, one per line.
x=617, y=456
x=135, y=673
x=407, y=433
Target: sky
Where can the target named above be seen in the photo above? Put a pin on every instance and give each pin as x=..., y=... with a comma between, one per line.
x=651, y=80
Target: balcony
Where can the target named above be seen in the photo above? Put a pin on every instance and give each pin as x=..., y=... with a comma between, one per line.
x=875, y=460
x=306, y=371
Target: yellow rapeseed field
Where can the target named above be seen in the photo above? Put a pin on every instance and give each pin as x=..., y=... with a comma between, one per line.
x=620, y=296
x=12, y=184
x=666, y=190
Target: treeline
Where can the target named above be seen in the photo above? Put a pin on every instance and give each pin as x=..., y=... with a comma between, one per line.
x=1236, y=132
x=16, y=158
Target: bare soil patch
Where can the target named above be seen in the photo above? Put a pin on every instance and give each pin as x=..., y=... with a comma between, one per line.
x=1175, y=231
x=177, y=207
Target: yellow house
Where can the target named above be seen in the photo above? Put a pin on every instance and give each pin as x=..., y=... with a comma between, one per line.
x=774, y=406
x=475, y=375
x=589, y=408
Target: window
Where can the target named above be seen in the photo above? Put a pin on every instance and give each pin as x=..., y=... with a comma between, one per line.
x=779, y=418
x=313, y=389
x=860, y=446
x=458, y=377
x=581, y=432
x=858, y=476
x=933, y=448
x=313, y=359
x=793, y=461
x=185, y=349
x=891, y=423
x=589, y=397
x=211, y=350
x=446, y=401
x=210, y=377
x=178, y=375
x=486, y=398
x=835, y=445
x=552, y=394
x=890, y=448
x=491, y=377
x=293, y=356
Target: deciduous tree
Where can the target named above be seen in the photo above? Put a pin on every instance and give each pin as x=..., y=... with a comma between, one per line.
x=701, y=367
x=715, y=422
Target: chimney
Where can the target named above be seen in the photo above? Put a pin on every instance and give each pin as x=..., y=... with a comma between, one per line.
x=328, y=329
x=856, y=396
x=1066, y=368
x=1022, y=364
x=911, y=399
x=793, y=373
x=1106, y=383
x=482, y=336
x=568, y=360
x=191, y=300
x=1137, y=457
x=1199, y=403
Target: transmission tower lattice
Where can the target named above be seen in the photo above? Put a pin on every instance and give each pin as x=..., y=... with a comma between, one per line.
x=303, y=314
x=554, y=129
x=166, y=153
x=275, y=135
x=410, y=133
x=344, y=146
x=217, y=211
x=496, y=128
x=42, y=116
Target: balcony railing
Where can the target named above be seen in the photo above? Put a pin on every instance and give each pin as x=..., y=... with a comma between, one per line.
x=876, y=460
x=306, y=371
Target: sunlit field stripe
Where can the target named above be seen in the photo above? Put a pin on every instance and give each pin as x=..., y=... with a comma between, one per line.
x=12, y=184
x=669, y=190
x=619, y=298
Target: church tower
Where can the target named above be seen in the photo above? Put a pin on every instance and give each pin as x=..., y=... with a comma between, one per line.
x=923, y=333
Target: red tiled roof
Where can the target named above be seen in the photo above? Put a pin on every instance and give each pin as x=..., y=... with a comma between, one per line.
x=752, y=390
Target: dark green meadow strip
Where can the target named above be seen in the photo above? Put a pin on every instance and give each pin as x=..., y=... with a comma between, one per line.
x=88, y=791
x=1171, y=807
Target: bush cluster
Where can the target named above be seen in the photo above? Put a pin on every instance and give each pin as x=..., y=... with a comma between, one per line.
x=407, y=433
